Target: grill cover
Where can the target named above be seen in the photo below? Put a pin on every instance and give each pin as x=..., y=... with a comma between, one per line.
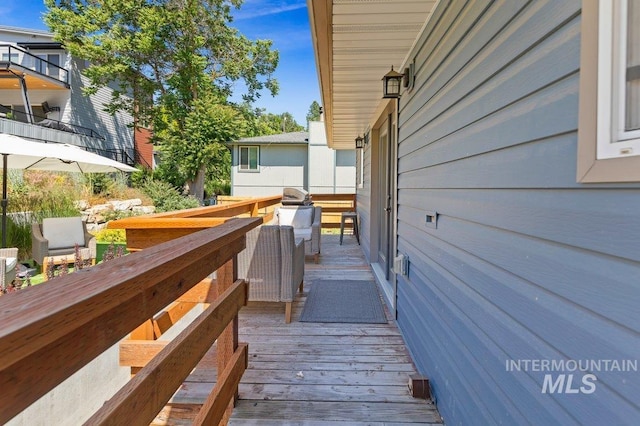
x=295, y=197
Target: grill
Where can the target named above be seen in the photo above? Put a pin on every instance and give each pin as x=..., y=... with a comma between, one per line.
x=295, y=197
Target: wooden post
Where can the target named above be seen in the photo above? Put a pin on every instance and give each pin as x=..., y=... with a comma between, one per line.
x=144, y=331
x=254, y=210
x=228, y=340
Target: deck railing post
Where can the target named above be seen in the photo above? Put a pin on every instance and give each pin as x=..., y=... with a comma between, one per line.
x=228, y=340
x=144, y=331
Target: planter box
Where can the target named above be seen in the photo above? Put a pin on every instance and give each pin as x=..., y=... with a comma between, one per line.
x=101, y=249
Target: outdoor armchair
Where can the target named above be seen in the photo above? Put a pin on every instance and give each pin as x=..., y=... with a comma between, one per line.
x=273, y=265
x=58, y=236
x=307, y=224
x=8, y=262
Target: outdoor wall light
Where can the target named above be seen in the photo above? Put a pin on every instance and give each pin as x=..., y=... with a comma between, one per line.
x=359, y=142
x=391, y=83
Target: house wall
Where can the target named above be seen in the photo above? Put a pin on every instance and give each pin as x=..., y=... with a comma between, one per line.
x=330, y=171
x=88, y=111
x=73, y=401
x=36, y=97
x=280, y=166
x=525, y=263
x=75, y=107
x=15, y=35
x=144, y=147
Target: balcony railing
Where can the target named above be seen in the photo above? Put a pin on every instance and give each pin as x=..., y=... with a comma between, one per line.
x=12, y=55
x=37, y=120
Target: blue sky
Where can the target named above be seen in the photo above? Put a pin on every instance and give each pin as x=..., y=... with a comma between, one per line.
x=286, y=22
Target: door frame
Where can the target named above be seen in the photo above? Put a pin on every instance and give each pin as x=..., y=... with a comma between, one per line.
x=387, y=116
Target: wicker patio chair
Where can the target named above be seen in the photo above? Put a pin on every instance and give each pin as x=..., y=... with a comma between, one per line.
x=307, y=224
x=58, y=236
x=273, y=265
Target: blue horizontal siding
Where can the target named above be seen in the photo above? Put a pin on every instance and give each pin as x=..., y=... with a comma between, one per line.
x=525, y=263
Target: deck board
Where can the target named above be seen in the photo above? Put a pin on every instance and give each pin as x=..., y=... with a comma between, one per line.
x=315, y=374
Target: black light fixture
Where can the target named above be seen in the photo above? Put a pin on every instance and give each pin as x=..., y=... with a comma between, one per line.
x=391, y=83
x=359, y=142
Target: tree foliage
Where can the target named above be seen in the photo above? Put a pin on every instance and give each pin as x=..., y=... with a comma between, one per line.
x=314, y=112
x=177, y=61
x=206, y=129
x=163, y=51
x=270, y=124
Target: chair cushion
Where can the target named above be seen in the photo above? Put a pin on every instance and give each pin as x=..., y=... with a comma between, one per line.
x=63, y=232
x=298, y=217
x=304, y=233
x=11, y=263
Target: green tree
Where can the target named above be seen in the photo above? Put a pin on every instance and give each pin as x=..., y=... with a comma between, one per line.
x=314, y=112
x=201, y=148
x=264, y=123
x=164, y=56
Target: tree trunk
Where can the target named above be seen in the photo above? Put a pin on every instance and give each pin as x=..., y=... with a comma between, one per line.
x=196, y=186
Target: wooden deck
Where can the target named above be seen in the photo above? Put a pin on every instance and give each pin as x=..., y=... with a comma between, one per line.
x=311, y=373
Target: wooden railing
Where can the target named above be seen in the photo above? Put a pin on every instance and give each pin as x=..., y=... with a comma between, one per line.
x=149, y=230
x=50, y=331
x=332, y=207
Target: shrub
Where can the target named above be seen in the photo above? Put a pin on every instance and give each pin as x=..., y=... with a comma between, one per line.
x=111, y=236
x=167, y=198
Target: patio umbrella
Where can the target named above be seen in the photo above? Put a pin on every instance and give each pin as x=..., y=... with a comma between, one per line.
x=26, y=154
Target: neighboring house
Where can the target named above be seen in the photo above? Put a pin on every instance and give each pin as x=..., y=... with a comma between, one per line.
x=508, y=172
x=41, y=97
x=264, y=165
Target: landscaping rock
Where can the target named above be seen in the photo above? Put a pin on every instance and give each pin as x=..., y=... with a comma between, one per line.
x=124, y=205
x=97, y=214
x=143, y=209
x=82, y=204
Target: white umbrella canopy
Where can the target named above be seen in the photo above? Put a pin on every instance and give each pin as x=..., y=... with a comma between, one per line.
x=26, y=154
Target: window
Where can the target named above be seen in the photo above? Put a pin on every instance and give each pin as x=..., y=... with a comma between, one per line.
x=54, y=71
x=11, y=57
x=609, y=123
x=249, y=158
x=45, y=65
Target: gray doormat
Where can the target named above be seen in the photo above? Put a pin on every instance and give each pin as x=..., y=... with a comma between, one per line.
x=344, y=302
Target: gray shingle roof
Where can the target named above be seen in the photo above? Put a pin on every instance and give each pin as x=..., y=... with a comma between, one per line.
x=282, y=138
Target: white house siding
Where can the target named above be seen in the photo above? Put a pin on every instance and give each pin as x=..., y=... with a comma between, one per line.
x=525, y=263
x=330, y=171
x=345, y=171
x=322, y=173
x=14, y=35
x=280, y=166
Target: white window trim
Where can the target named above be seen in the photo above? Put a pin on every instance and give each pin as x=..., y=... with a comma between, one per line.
x=248, y=170
x=591, y=168
x=613, y=140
